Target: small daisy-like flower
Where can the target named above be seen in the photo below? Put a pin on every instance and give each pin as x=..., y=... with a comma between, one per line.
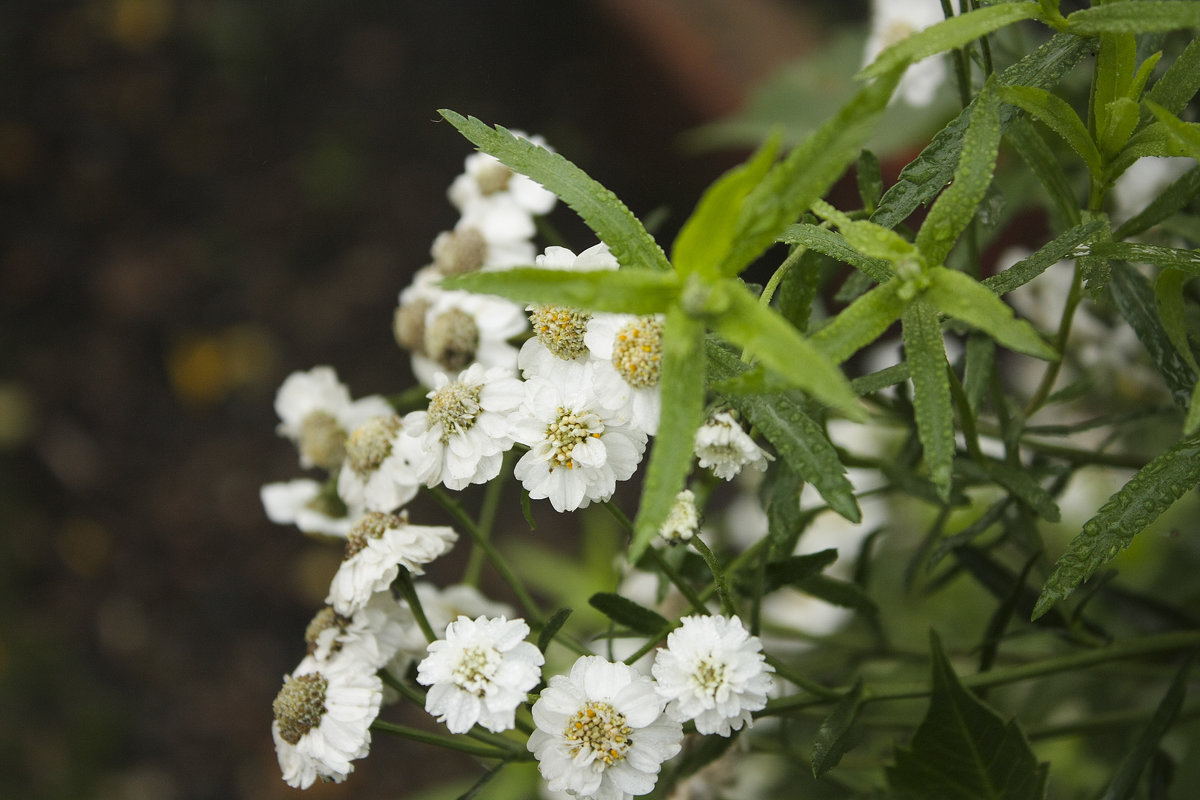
x=601, y=731
x=713, y=671
x=479, y=673
x=633, y=345
x=722, y=445
x=302, y=503
x=682, y=520
x=372, y=635
x=463, y=434
x=377, y=474
x=580, y=442
x=316, y=412
x=460, y=329
x=323, y=717
x=486, y=182
x=895, y=20
x=378, y=546
x=490, y=237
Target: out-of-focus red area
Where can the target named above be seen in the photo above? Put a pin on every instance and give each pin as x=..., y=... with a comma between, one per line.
x=200, y=196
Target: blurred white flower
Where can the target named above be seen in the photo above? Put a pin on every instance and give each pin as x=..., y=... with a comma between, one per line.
x=377, y=473
x=895, y=20
x=298, y=502
x=316, y=412
x=485, y=181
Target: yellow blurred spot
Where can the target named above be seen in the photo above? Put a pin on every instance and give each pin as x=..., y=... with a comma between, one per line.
x=138, y=24
x=197, y=371
x=205, y=368
x=84, y=546
x=16, y=415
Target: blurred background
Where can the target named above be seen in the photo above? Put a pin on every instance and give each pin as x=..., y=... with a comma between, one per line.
x=199, y=197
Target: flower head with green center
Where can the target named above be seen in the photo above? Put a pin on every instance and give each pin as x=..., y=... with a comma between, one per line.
x=633, y=345
x=601, y=731
x=722, y=445
x=316, y=413
x=377, y=474
x=479, y=673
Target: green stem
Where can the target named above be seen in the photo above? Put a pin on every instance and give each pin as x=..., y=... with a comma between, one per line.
x=664, y=566
x=408, y=591
x=718, y=573
x=962, y=64
x=487, y=519
x=450, y=742
x=792, y=260
x=810, y=686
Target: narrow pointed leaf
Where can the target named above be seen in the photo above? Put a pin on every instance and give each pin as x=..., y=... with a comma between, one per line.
x=682, y=387
x=956, y=206
x=1134, y=297
x=868, y=238
x=797, y=569
x=1148, y=494
x=552, y=627
x=1043, y=163
x=1116, y=62
x=926, y=357
x=964, y=750
x=628, y=291
x=1138, y=86
x=799, y=288
x=1024, y=487
x=1168, y=201
x=836, y=247
x=599, y=208
x=1057, y=115
x=1180, y=82
x=624, y=611
x=806, y=174
x=1168, y=296
x=1061, y=247
x=1149, y=16
x=768, y=337
x=951, y=34
x=925, y=176
x=1192, y=422
x=1188, y=136
x=843, y=594
x=861, y=322
x=964, y=298
x=1187, y=261
x=708, y=234
x=870, y=180
x=839, y=733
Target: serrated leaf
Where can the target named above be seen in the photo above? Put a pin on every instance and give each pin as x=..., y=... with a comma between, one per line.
x=552, y=627
x=950, y=34
x=1060, y=248
x=1058, y=115
x=1125, y=781
x=1168, y=201
x=925, y=176
x=794, y=570
x=599, y=208
x=628, y=291
x=624, y=611
x=1134, y=297
x=925, y=353
x=768, y=337
x=836, y=247
x=682, y=388
x=861, y=322
x=1150, y=16
x=839, y=732
x=708, y=234
x=1148, y=494
x=963, y=750
x=966, y=299
x=806, y=174
x=1168, y=296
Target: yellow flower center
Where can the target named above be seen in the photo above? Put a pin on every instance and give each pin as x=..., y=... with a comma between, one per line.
x=600, y=728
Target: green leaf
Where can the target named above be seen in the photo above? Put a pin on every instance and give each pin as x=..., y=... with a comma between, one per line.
x=1143, y=17
x=1187, y=136
x=876, y=381
x=1127, y=513
x=874, y=241
x=950, y=34
x=925, y=176
x=1138, y=85
x=861, y=322
x=768, y=337
x=870, y=180
x=1170, y=200
x=1180, y=82
x=708, y=234
x=964, y=298
x=599, y=208
x=956, y=206
x=1168, y=296
x=839, y=733
x=1187, y=261
x=794, y=570
x=628, y=291
x=1192, y=422
x=624, y=611
x=1121, y=116
x=1024, y=487
x=798, y=289
x=1061, y=247
x=836, y=247
x=806, y=174
x=552, y=627
x=1125, y=782
x=1134, y=298
x=963, y=750
x=1058, y=115
x=926, y=357
x=838, y=593
x=682, y=387
x=1116, y=62
x=1043, y=163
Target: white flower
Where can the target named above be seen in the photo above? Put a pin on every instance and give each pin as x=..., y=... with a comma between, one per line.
x=378, y=546
x=463, y=434
x=633, y=345
x=461, y=328
x=377, y=474
x=479, y=673
x=580, y=442
x=372, y=635
x=301, y=503
x=722, y=445
x=601, y=731
x=316, y=413
x=323, y=717
x=485, y=181
x=895, y=20
x=682, y=520
x=713, y=671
